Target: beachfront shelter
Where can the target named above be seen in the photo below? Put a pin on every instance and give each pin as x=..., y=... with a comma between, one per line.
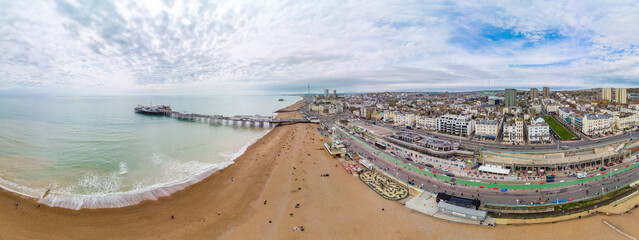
x=463, y=212
x=494, y=169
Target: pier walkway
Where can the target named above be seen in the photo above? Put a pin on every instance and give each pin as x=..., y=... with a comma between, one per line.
x=237, y=120
x=241, y=120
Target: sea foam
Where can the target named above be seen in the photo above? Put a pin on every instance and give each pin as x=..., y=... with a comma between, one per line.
x=123, y=199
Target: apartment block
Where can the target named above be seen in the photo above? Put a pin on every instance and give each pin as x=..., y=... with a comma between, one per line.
x=462, y=125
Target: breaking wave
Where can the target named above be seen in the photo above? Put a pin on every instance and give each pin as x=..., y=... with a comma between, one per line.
x=105, y=186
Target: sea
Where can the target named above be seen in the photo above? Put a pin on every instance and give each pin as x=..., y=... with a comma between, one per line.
x=95, y=152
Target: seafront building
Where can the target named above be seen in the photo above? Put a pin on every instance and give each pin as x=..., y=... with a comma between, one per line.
x=538, y=131
x=487, y=129
x=513, y=132
x=593, y=124
x=626, y=121
x=490, y=117
x=426, y=122
x=487, y=117
x=404, y=119
x=461, y=125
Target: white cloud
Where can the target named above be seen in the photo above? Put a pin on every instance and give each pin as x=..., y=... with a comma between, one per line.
x=279, y=46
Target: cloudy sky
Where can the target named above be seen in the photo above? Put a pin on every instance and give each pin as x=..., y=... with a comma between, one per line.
x=279, y=47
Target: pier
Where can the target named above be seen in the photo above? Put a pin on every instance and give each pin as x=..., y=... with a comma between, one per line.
x=237, y=120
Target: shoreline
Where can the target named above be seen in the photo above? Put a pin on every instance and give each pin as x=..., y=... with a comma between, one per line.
x=284, y=168
x=133, y=197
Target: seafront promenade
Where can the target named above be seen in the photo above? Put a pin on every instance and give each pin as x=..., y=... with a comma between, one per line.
x=497, y=195
x=485, y=184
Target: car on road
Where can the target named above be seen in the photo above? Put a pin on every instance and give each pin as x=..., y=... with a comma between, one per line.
x=598, y=141
x=550, y=180
x=450, y=174
x=602, y=169
x=502, y=147
x=572, y=175
x=428, y=165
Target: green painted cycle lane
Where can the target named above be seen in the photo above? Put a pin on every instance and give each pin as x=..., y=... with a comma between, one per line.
x=488, y=185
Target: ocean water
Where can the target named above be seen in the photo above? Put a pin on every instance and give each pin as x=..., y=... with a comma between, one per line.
x=95, y=152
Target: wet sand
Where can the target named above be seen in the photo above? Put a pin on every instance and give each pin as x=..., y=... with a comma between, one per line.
x=278, y=169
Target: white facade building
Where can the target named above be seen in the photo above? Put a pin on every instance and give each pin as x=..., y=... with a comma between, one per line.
x=514, y=131
x=626, y=121
x=426, y=122
x=597, y=124
x=456, y=124
x=539, y=131
x=404, y=119
x=487, y=129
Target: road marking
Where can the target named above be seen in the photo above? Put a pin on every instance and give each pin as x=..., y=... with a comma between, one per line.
x=619, y=231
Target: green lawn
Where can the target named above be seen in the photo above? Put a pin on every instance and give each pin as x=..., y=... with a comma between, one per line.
x=559, y=129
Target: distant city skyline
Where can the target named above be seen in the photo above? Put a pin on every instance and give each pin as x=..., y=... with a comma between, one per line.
x=174, y=47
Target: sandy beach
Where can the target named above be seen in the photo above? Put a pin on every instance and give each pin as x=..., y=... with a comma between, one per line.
x=256, y=198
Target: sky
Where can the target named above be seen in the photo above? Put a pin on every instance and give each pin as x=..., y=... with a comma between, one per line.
x=278, y=47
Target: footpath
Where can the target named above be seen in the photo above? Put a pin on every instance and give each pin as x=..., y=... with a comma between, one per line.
x=620, y=206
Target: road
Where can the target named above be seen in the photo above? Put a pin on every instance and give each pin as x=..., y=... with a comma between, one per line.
x=545, y=193
x=490, y=145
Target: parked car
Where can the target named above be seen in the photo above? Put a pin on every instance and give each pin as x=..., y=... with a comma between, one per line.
x=550, y=180
x=450, y=174
x=502, y=147
x=602, y=169
x=572, y=175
